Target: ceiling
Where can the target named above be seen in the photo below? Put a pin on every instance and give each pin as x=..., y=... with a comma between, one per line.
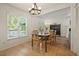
x=46, y=7
x=62, y=13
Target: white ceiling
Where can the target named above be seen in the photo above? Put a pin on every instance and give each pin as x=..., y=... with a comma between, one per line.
x=62, y=13
x=46, y=7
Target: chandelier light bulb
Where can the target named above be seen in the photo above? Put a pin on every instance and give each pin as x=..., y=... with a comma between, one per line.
x=39, y=8
x=32, y=6
x=39, y=12
x=32, y=11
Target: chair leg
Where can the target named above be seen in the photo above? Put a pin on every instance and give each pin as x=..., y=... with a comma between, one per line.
x=39, y=44
x=55, y=40
x=32, y=43
x=50, y=42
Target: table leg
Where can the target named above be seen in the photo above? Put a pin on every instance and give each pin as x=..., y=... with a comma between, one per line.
x=32, y=42
x=45, y=45
x=55, y=40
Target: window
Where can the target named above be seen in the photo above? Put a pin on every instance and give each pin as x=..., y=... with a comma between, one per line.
x=16, y=27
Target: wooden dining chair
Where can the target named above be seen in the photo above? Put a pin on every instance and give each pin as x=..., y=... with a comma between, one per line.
x=35, y=39
x=52, y=37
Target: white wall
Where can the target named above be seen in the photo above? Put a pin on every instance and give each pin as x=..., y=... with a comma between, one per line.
x=6, y=9
x=75, y=28
x=65, y=27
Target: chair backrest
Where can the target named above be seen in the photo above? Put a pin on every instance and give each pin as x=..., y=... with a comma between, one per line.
x=52, y=34
x=34, y=34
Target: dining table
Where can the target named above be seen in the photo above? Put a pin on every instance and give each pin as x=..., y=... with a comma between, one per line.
x=44, y=37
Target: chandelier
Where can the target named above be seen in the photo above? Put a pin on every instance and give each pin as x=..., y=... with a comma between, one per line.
x=35, y=10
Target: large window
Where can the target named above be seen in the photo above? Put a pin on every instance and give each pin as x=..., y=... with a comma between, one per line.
x=16, y=26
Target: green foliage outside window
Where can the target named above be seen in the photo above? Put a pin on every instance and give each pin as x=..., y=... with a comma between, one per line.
x=16, y=26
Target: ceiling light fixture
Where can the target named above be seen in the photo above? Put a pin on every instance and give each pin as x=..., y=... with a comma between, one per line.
x=35, y=10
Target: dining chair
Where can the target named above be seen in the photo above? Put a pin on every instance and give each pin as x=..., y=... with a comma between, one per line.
x=35, y=39
x=52, y=37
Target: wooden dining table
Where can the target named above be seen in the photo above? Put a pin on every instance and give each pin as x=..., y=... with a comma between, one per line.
x=44, y=37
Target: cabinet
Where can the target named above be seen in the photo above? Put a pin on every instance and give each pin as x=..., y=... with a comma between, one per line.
x=56, y=27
